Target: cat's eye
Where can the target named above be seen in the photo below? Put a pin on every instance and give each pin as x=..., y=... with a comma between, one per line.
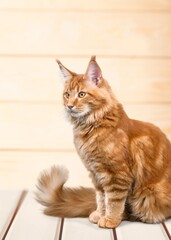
x=66, y=95
x=81, y=94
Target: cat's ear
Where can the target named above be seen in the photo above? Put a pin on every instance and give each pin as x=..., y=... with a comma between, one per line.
x=65, y=73
x=94, y=73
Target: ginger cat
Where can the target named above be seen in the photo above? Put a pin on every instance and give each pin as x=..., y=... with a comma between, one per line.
x=129, y=161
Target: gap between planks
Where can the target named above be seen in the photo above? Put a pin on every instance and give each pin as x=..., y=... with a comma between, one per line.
x=95, y=10
x=114, y=232
x=113, y=56
x=51, y=102
x=38, y=150
x=166, y=230
x=61, y=229
x=59, y=234
x=20, y=201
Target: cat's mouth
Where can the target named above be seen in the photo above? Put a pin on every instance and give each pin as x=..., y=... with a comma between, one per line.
x=76, y=113
x=73, y=112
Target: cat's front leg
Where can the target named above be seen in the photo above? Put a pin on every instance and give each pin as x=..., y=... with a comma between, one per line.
x=115, y=205
x=95, y=216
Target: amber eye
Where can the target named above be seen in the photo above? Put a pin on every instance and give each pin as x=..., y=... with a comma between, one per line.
x=66, y=95
x=81, y=94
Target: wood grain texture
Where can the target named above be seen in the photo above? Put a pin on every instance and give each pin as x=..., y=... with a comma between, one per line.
x=25, y=126
x=31, y=224
x=131, y=39
x=51, y=33
x=37, y=79
x=140, y=231
x=77, y=229
x=20, y=169
x=34, y=126
x=88, y=5
x=8, y=203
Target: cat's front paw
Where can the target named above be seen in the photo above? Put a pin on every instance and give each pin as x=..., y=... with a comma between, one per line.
x=94, y=217
x=107, y=222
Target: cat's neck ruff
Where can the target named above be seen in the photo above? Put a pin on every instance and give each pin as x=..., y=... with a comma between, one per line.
x=109, y=115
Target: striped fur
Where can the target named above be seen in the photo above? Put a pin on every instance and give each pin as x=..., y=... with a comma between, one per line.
x=129, y=161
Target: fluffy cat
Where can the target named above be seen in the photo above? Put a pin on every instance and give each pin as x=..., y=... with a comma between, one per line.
x=129, y=161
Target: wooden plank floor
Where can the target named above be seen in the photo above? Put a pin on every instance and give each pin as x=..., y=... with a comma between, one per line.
x=22, y=219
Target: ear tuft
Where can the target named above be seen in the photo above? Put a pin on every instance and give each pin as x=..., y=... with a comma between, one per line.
x=93, y=58
x=93, y=72
x=58, y=62
x=65, y=73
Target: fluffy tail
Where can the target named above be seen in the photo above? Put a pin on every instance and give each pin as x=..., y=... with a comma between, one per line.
x=63, y=201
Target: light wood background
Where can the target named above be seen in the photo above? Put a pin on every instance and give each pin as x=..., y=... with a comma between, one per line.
x=132, y=41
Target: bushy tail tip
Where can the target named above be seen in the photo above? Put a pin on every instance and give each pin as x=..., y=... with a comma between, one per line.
x=63, y=201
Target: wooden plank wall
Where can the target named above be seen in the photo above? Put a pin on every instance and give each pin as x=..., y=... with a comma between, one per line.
x=131, y=39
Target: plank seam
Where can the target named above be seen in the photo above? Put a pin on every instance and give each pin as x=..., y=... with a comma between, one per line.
x=30, y=102
x=20, y=201
x=44, y=102
x=56, y=103
x=166, y=230
x=115, y=234
x=36, y=150
x=61, y=229
x=24, y=55
x=88, y=10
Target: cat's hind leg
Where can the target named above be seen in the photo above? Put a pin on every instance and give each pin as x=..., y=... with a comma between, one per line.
x=152, y=205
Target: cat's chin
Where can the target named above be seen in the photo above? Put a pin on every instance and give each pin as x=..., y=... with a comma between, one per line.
x=78, y=114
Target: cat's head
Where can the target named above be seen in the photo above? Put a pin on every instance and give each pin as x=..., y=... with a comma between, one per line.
x=87, y=93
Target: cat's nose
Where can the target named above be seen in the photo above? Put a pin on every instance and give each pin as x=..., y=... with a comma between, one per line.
x=70, y=106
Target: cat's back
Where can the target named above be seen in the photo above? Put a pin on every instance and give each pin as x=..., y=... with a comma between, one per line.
x=150, y=148
x=147, y=131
